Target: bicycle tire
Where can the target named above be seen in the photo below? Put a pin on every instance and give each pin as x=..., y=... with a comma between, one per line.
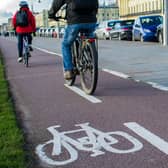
x=90, y=54
x=71, y=82
x=26, y=51
x=26, y=59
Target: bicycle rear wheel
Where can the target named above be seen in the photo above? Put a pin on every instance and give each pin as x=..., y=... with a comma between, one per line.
x=70, y=82
x=26, y=59
x=89, y=73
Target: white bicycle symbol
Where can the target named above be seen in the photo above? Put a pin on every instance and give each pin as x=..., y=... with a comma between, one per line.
x=95, y=141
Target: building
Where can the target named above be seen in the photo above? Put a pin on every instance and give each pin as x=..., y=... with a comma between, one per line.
x=39, y=20
x=4, y=27
x=105, y=12
x=129, y=9
x=9, y=25
x=108, y=13
x=43, y=21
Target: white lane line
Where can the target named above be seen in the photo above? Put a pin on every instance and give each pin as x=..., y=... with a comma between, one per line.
x=83, y=94
x=122, y=75
x=153, y=139
x=119, y=74
x=73, y=88
x=47, y=51
x=157, y=86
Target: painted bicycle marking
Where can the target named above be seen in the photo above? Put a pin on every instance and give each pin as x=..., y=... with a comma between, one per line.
x=96, y=142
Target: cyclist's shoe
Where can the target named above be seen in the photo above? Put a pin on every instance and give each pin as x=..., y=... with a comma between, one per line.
x=20, y=59
x=30, y=48
x=68, y=74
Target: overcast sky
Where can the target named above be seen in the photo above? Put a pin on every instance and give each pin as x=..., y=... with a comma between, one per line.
x=8, y=7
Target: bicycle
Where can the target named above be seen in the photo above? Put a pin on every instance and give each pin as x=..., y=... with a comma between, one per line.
x=26, y=51
x=85, y=60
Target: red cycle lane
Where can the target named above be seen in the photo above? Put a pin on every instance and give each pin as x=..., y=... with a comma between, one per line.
x=128, y=128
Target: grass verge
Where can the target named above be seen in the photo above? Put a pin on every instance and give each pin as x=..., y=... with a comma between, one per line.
x=12, y=154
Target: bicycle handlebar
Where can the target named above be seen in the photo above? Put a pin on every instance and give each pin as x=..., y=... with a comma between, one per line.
x=57, y=18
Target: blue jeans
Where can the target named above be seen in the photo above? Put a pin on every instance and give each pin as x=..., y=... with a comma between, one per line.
x=20, y=42
x=70, y=35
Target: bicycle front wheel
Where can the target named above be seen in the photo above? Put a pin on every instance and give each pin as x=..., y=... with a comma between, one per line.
x=89, y=73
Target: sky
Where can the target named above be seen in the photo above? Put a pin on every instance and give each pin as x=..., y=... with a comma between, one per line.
x=9, y=7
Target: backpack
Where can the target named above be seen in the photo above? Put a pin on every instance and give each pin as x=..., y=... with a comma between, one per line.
x=84, y=5
x=22, y=18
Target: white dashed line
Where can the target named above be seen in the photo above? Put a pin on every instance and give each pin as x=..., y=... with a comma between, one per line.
x=122, y=75
x=47, y=51
x=157, y=86
x=83, y=94
x=119, y=74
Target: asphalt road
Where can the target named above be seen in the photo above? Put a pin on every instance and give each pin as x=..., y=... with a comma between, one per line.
x=146, y=61
x=125, y=126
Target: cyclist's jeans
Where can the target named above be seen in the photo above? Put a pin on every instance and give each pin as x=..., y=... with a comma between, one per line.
x=70, y=35
x=20, y=42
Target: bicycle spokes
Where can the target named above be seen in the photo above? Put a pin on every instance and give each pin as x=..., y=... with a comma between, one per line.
x=85, y=61
x=89, y=71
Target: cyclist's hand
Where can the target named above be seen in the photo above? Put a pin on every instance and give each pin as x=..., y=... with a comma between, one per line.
x=56, y=18
x=52, y=17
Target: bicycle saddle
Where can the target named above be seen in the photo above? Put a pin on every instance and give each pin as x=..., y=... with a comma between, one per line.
x=84, y=31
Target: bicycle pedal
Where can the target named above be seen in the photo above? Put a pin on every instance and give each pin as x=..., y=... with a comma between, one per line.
x=76, y=72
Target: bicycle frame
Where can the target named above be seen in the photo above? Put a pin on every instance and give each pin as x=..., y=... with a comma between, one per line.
x=81, y=41
x=85, y=59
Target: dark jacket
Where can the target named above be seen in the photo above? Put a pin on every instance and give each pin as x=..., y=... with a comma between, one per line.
x=30, y=28
x=71, y=16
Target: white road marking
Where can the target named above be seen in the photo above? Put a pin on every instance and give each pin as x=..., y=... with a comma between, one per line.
x=47, y=51
x=157, y=86
x=153, y=139
x=83, y=94
x=119, y=74
x=122, y=75
x=94, y=141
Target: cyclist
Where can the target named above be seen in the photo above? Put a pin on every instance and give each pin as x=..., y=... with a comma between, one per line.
x=24, y=28
x=81, y=17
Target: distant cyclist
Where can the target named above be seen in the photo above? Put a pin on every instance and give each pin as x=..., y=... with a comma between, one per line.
x=24, y=24
x=80, y=14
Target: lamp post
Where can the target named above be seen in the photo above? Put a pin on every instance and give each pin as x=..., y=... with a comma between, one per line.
x=165, y=22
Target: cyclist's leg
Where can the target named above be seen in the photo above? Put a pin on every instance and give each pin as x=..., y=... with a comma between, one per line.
x=29, y=36
x=20, y=46
x=90, y=27
x=70, y=35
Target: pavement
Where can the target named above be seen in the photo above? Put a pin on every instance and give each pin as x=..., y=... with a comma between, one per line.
x=124, y=124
